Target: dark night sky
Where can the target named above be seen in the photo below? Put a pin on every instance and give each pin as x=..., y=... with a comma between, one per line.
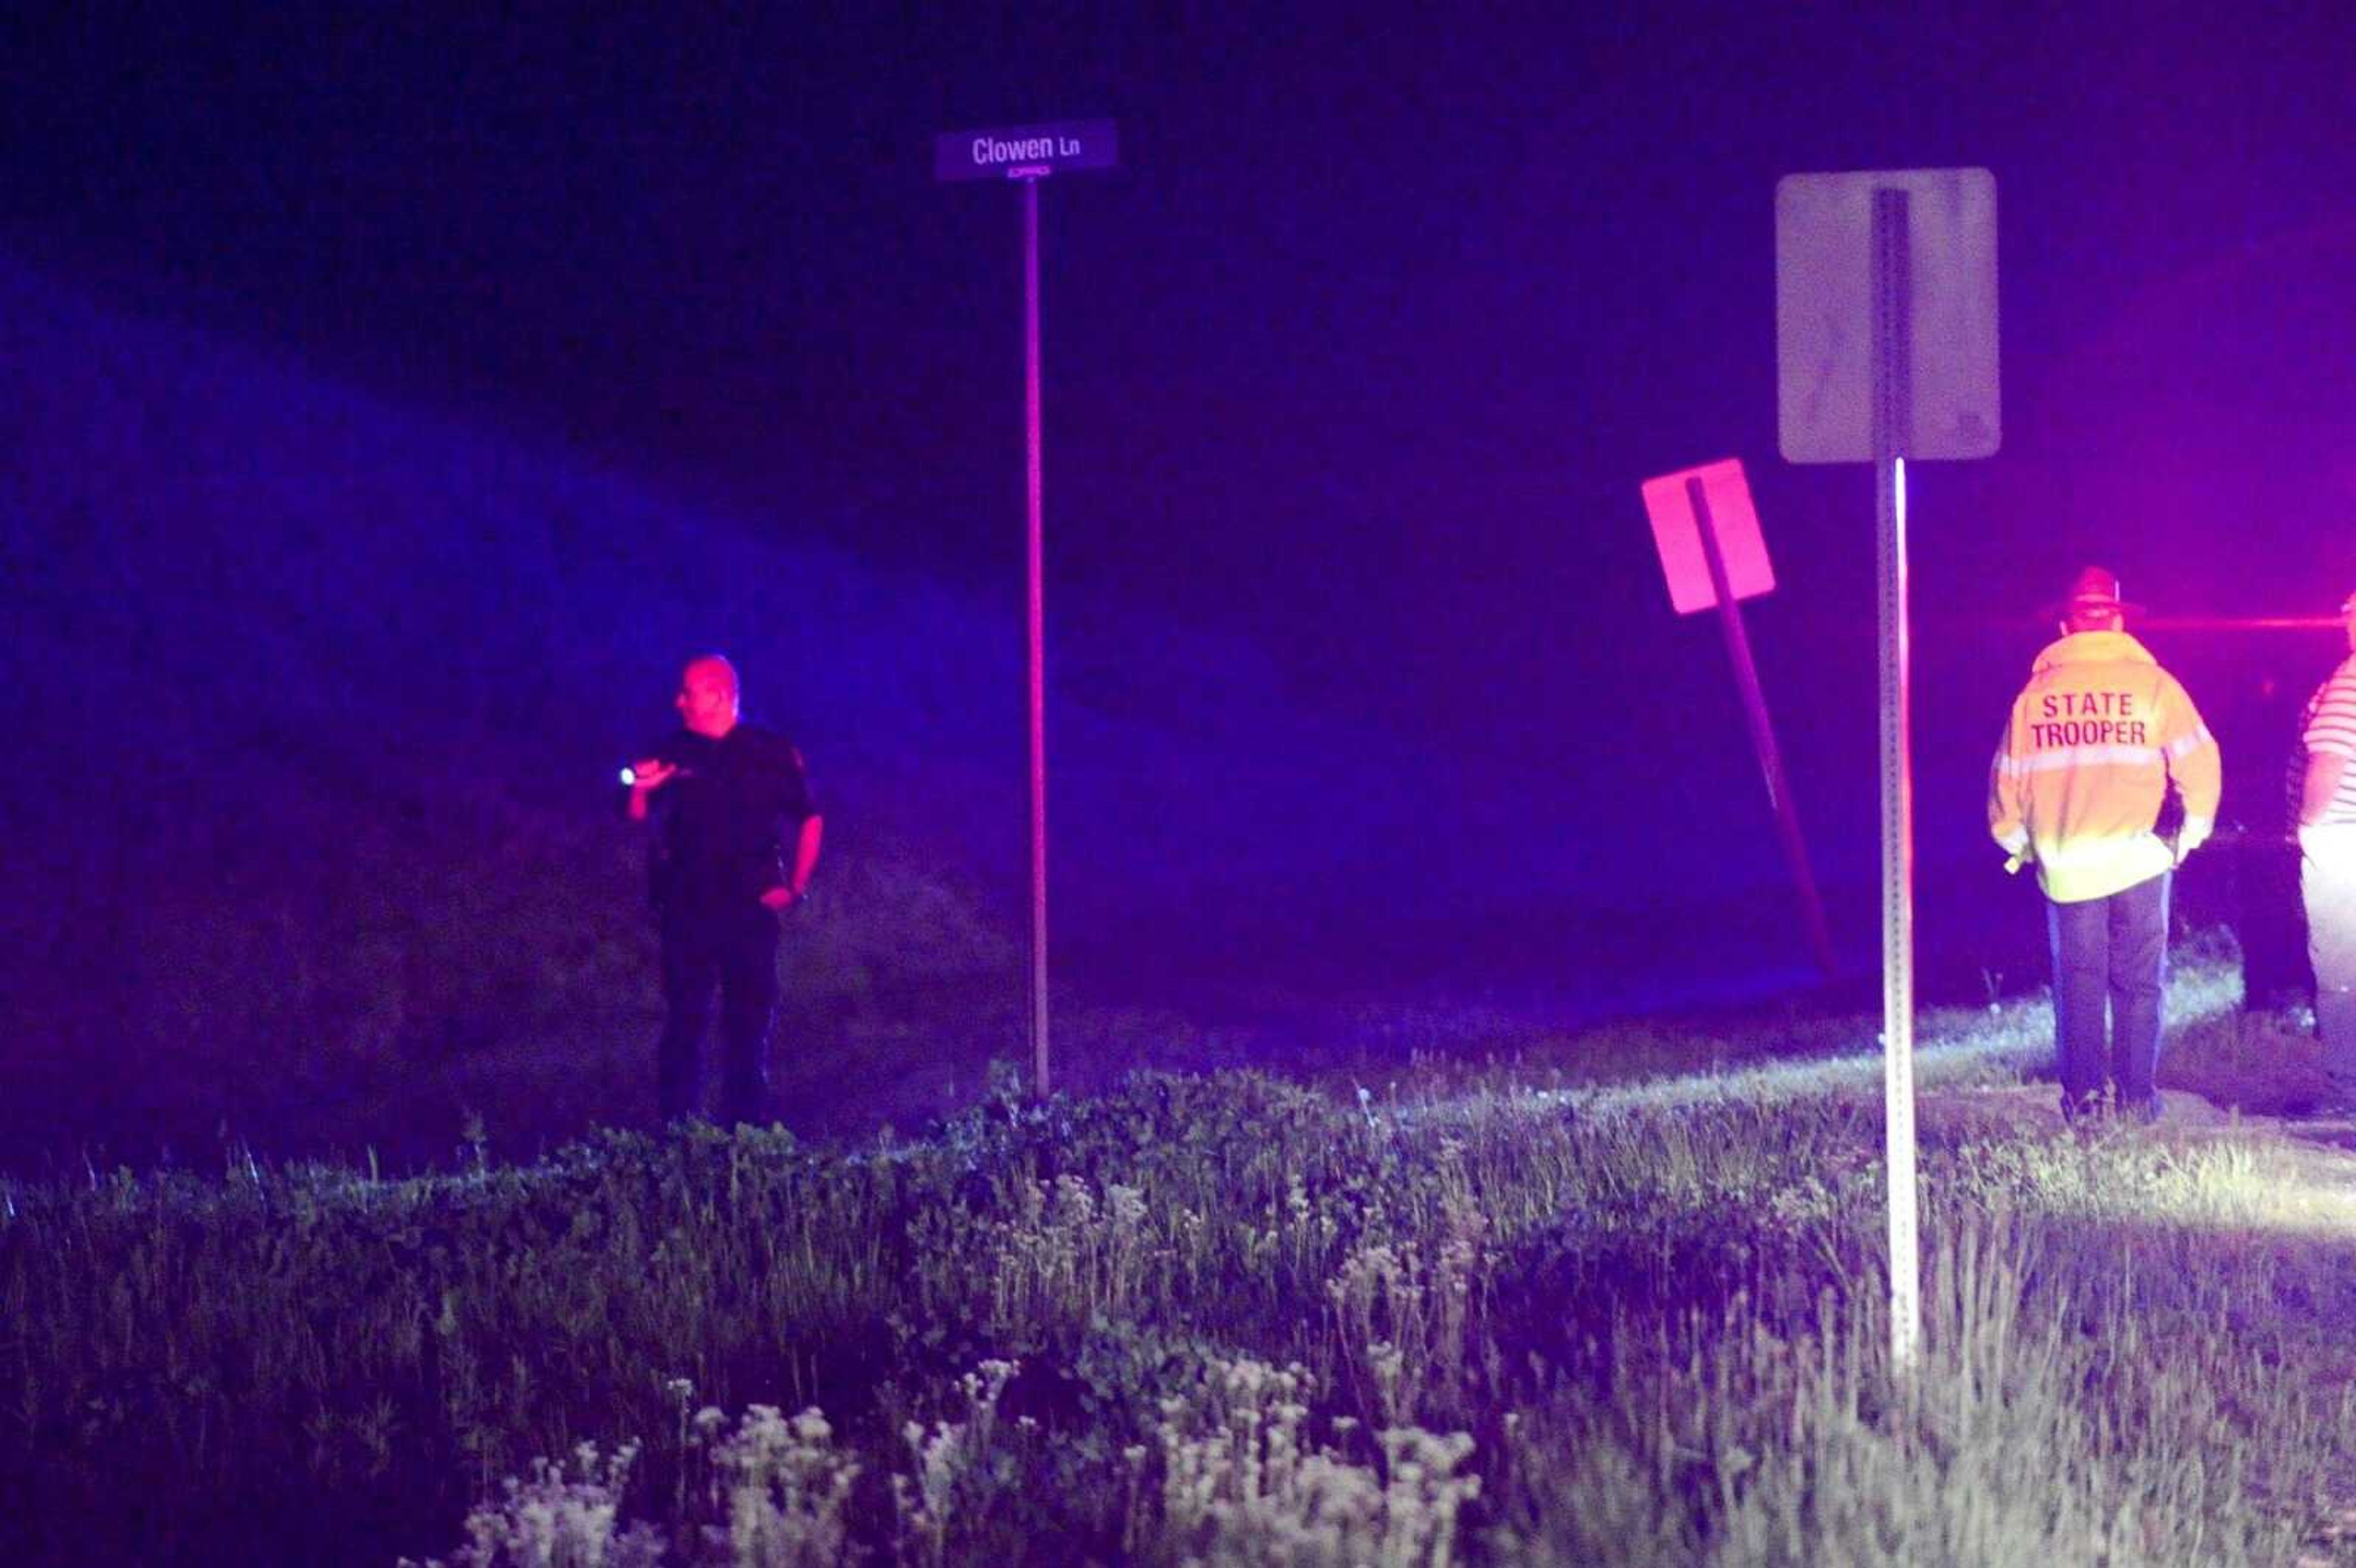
x=1361, y=357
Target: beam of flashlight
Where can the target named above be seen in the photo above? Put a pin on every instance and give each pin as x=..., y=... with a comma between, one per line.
x=2238, y=622
x=1984, y=624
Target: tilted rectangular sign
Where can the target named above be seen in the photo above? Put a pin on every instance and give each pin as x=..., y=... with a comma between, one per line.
x=1676, y=533
x=1824, y=308
x=1026, y=152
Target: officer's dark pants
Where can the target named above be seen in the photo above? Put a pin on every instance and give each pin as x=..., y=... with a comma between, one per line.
x=734, y=952
x=2110, y=960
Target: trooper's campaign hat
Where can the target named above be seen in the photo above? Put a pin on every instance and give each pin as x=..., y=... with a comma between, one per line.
x=2095, y=588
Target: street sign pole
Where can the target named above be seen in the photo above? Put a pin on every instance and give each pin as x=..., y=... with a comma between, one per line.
x=1762, y=729
x=1036, y=639
x=1886, y=349
x=1893, y=436
x=1027, y=155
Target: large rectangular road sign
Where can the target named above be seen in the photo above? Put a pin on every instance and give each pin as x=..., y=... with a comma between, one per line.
x=1825, y=303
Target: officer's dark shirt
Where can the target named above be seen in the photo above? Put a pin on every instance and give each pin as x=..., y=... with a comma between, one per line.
x=723, y=823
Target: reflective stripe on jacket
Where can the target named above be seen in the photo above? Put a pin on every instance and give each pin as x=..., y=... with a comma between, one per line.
x=2080, y=780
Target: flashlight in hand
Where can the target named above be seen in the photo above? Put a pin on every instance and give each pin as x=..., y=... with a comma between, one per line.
x=629, y=776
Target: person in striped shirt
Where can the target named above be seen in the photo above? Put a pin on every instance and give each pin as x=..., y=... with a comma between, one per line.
x=2327, y=856
x=2105, y=779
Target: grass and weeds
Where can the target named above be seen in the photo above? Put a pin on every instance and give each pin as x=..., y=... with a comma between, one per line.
x=1494, y=1312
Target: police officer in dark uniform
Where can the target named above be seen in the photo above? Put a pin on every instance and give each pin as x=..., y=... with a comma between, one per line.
x=726, y=798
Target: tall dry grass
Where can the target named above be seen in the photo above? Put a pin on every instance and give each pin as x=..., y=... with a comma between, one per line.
x=1219, y=1319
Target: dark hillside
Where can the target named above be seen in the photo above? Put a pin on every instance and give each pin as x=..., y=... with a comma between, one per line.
x=320, y=844
x=323, y=847
x=315, y=841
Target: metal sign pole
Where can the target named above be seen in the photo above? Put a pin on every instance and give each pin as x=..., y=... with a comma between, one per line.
x=1027, y=155
x=1037, y=639
x=1893, y=437
x=1762, y=729
x=1926, y=239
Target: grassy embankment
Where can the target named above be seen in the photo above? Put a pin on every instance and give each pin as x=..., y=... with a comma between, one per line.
x=1472, y=1317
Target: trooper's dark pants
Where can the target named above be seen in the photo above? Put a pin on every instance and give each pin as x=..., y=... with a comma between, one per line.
x=2110, y=957
x=734, y=952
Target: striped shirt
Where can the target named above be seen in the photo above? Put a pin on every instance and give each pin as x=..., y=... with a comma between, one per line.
x=2329, y=726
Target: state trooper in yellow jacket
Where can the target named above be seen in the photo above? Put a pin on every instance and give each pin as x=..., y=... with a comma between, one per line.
x=2106, y=780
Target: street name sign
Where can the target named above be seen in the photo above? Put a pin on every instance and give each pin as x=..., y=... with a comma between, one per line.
x=1826, y=302
x=1026, y=152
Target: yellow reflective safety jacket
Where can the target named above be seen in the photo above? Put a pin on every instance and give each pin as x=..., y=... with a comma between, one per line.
x=2082, y=777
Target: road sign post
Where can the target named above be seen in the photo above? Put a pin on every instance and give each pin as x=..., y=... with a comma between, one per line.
x=1027, y=155
x=1886, y=351
x=1893, y=424
x=1726, y=536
